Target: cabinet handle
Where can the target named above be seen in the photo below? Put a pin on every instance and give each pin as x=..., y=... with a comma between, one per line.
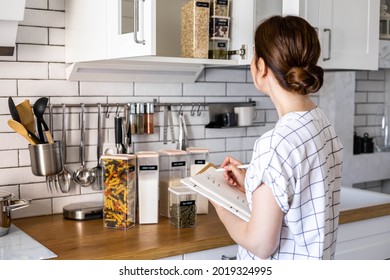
x=329, y=43
x=136, y=22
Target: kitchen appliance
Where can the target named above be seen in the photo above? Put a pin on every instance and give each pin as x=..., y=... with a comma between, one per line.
x=88, y=210
x=7, y=205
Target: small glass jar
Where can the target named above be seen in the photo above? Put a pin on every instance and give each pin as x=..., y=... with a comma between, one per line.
x=119, y=176
x=140, y=118
x=148, y=118
x=182, y=207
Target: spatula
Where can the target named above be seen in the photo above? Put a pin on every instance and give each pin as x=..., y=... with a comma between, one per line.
x=26, y=115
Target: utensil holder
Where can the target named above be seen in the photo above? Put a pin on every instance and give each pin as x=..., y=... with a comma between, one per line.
x=46, y=159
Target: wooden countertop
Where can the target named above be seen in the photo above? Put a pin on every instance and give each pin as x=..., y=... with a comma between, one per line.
x=88, y=240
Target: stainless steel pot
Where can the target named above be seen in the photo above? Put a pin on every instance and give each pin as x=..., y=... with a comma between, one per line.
x=7, y=204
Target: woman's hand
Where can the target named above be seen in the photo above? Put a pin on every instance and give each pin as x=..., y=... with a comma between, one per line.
x=233, y=175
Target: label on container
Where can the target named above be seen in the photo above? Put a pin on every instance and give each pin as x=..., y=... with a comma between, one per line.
x=222, y=2
x=202, y=4
x=200, y=161
x=221, y=22
x=132, y=168
x=178, y=163
x=221, y=45
x=148, y=167
x=187, y=203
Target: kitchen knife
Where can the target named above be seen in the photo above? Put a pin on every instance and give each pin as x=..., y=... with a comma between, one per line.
x=119, y=135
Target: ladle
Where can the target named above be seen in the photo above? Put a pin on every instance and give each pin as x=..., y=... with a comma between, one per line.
x=83, y=176
x=65, y=179
x=39, y=109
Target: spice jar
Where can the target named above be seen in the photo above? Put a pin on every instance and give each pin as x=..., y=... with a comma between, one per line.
x=119, y=191
x=147, y=185
x=140, y=110
x=173, y=168
x=182, y=207
x=197, y=159
x=133, y=119
x=148, y=118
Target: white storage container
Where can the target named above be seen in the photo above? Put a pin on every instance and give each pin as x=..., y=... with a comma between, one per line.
x=147, y=185
x=182, y=207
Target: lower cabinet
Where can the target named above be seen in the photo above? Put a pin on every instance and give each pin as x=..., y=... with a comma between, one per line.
x=364, y=240
x=227, y=252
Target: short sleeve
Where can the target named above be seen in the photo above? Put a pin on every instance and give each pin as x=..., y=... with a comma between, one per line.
x=270, y=166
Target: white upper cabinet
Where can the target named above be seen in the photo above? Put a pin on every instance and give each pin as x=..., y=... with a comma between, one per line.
x=348, y=30
x=140, y=40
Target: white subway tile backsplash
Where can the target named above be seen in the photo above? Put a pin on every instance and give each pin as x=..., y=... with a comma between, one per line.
x=204, y=89
x=105, y=89
x=58, y=5
x=37, y=4
x=8, y=88
x=32, y=35
x=9, y=158
x=242, y=89
x=57, y=36
x=376, y=97
x=370, y=85
x=43, y=18
x=361, y=97
x=19, y=175
x=38, y=207
x=47, y=88
x=23, y=70
x=41, y=53
x=366, y=109
x=157, y=89
x=57, y=71
x=377, y=75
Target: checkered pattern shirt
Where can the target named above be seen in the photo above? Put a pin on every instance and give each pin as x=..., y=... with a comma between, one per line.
x=301, y=161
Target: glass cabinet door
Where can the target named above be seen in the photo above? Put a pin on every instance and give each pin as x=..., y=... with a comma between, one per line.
x=131, y=28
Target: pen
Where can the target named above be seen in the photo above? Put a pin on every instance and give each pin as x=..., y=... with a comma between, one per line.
x=244, y=166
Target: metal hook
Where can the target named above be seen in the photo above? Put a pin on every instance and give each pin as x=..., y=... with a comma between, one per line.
x=193, y=109
x=117, y=110
x=107, y=113
x=198, y=112
x=180, y=109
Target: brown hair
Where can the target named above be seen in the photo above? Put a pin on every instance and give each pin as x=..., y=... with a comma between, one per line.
x=289, y=46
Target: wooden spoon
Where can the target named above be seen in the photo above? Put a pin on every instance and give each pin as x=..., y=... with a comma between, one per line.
x=19, y=128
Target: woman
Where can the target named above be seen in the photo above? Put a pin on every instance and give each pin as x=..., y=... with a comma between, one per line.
x=293, y=181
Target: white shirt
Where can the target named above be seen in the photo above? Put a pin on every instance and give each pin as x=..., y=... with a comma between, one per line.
x=301, y=161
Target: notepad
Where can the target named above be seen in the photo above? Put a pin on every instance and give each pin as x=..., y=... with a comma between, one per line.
x=211, y=184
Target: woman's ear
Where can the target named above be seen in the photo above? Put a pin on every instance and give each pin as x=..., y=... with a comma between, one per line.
x=262, y=68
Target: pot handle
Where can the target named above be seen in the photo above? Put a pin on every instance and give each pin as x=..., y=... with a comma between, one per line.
x=18, y=204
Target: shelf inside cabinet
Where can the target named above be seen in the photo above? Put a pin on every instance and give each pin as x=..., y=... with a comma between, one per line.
x=216, y=110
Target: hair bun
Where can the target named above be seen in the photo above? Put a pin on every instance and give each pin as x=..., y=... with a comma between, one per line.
x=305, y=80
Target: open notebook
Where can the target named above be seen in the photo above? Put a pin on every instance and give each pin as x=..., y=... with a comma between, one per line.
x=213, y=185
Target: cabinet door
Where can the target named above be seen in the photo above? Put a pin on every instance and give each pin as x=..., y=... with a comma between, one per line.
x=348, y=30
x=349, y=34
x=131, y=28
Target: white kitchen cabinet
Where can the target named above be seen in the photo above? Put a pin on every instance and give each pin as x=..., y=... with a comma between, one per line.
x=102, y=44
x=348, y=31
x=139, y=40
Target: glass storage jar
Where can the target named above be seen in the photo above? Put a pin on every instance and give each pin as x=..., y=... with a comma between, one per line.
x=182, y=207
x=173, y=168
x=119, y=179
